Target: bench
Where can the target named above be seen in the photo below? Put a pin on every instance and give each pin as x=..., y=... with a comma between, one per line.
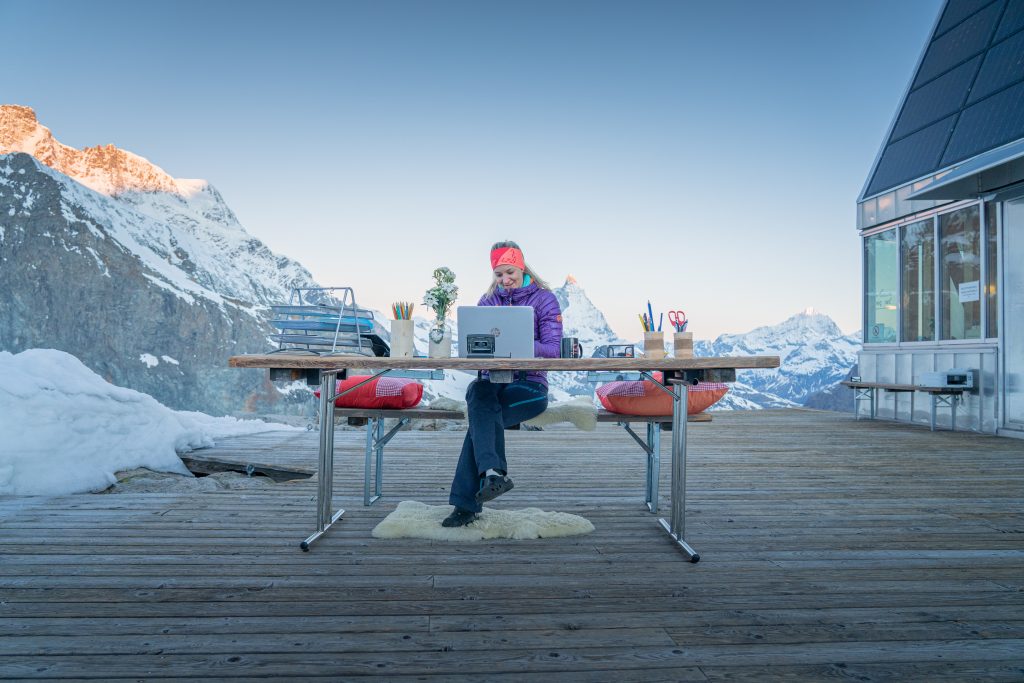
x=946, y=396
x=651, y=445
x=377, y=439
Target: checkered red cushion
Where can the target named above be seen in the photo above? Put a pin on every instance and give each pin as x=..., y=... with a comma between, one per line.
x=389, y=393
x=645, y=398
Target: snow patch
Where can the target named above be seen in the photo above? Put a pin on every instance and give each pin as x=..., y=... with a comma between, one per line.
x=66, y=430
x=99, y=262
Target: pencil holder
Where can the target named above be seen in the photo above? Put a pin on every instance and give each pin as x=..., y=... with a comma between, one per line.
x=654, y=345
x=682, y=344
x=401, y=339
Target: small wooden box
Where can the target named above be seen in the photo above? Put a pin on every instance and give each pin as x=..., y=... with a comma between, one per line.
x=682, y=344
x=654, y=345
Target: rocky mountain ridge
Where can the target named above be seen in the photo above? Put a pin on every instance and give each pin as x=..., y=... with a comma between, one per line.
x=150, y=281
x=103, y=168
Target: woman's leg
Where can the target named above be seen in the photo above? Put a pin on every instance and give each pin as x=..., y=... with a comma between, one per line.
x=491, y=408
x=521, y=401
x=479, y=451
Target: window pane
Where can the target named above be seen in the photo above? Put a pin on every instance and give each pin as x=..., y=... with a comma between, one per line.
x=918, y=252
x=992, y=267
x=960, y=234
x=869, y=213
x=881, y=257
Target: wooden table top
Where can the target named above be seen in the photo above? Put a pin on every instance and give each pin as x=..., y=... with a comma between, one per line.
x=326, y=362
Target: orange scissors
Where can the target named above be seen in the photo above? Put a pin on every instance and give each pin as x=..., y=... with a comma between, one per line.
x=678, y=320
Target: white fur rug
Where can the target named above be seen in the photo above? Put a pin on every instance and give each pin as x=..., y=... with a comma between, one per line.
x=578, y=411
x=412, y=519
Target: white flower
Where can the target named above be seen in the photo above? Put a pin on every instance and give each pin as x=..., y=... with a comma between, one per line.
x=442, y=295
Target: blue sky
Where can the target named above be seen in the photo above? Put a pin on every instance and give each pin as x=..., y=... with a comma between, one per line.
x=706, y=156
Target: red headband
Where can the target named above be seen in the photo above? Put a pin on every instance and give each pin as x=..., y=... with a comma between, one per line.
x=507, y=256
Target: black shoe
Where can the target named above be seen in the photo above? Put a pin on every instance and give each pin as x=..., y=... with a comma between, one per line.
x=459, y=517
x=493, y=486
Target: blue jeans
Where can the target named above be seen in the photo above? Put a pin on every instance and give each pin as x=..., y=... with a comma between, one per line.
x=491, y=408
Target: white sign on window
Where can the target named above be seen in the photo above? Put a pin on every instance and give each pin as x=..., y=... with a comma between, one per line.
x=970, y=291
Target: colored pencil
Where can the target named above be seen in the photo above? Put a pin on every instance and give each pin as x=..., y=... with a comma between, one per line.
x=661, y=319
x=402, y=310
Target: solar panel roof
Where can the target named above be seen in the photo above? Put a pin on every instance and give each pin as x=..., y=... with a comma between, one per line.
x=966, y=98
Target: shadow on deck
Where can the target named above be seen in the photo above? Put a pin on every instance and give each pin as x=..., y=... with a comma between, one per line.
x=832, y=549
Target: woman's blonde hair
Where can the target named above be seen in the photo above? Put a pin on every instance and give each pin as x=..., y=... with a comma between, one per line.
x=541, y=283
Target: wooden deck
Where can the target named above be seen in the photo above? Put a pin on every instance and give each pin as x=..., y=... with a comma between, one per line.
x=831, y=549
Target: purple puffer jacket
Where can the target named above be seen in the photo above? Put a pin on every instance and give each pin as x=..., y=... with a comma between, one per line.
x=547, y=320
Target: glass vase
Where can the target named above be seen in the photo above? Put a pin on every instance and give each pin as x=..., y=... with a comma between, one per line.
x=440, y=339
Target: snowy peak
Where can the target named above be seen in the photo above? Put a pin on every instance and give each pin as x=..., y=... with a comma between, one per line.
x=20, y=131
x=581, y=318
x=814, y=355
x=104, y=168
x=811, y=323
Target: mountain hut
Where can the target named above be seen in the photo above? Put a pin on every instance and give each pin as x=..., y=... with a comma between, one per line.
x=941, y=217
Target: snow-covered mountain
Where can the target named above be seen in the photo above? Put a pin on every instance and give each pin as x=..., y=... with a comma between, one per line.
x=182, y=230
x=148, y=280
x=814, y=355
x=582, y=319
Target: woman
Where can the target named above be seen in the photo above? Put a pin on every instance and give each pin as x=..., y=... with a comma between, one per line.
x=482, y=473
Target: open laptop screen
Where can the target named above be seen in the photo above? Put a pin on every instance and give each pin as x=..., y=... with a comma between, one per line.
x=510, y=326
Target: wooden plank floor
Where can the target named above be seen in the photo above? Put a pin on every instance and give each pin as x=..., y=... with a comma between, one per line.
x=832, y=549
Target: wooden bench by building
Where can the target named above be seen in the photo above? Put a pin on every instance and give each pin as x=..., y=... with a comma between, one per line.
x=945, y=396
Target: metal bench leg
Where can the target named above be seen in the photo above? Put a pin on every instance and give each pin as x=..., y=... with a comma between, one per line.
x=376, y=439
x=651, y=445
x=676, y=528
x=933, y=413
x=378, y=472
x=325, y=485
x=371, y=433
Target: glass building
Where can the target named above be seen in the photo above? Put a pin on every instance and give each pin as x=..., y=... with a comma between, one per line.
x=941, y=217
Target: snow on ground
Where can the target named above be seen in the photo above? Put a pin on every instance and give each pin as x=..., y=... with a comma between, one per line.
x=63, y=429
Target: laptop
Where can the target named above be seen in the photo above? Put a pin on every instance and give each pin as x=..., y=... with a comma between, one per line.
x=498, y=331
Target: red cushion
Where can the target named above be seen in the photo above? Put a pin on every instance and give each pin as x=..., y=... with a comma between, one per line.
x=645, y=398
x=391, y=393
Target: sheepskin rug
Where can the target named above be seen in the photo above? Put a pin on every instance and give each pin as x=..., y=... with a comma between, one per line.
x=412, y=519
x=579, y=411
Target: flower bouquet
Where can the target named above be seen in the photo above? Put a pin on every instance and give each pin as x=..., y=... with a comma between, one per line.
x=440, y=298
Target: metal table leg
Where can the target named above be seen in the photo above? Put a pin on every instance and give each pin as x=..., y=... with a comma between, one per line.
x=325, y=486
x=676, y=528
x=653, y=464
x=951, y=400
